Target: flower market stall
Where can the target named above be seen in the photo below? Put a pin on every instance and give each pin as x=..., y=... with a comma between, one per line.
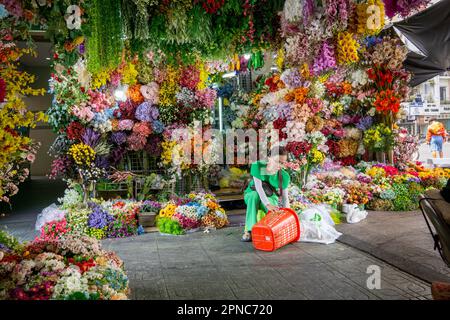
x=134, y=82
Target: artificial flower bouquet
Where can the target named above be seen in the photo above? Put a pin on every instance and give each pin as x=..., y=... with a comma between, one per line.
x=18, y=149
x=379, y=138
x=150, y=206
x=376, y=186
x=100, y=219
x=187, y=214
x=72, y=267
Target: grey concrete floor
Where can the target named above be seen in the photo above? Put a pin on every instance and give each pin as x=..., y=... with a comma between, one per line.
x=425, y=152
x=402, y=239
x=34, y=195
x=217, y=265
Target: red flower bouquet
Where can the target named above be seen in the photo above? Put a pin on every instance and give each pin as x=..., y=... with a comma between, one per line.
x=280, y=124
x=387, y=101
x=75, y=130
x=212, y=6
x=84, y=265
x=298, y=149
x=382, y=77
x=348, y=161
x=274, y=83
x=333, y=147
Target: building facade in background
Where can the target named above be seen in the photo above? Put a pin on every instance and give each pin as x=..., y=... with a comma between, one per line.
x=429, y=100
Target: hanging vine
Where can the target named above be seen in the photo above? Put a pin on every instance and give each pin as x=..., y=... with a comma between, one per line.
x=106, y=37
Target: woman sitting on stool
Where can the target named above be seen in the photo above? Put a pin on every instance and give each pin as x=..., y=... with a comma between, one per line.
x=269, y=182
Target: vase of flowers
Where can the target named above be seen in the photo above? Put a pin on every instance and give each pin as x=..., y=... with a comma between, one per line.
x=148, y=212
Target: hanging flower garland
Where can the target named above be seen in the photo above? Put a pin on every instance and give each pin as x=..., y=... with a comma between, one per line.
x=403, y=8
x=248, y=7
x=337, y=14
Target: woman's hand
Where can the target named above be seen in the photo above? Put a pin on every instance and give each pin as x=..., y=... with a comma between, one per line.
x=271, y=207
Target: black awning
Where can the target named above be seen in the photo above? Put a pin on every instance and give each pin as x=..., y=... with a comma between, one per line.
x=422, y=68
x=429, y=31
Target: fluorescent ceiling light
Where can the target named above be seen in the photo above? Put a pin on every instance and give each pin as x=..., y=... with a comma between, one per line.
x=120, y=94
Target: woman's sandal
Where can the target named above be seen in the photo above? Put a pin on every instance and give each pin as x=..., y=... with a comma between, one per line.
x=246, y=237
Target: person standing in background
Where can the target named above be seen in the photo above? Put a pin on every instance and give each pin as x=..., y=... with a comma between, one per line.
x=436, y=136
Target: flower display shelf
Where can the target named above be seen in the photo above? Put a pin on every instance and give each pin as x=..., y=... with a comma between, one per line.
x=189, y=183
x=231, y=199
x=134, y=162
x=108, y=190
x=245, y=81
x=140, y=163
x=139, y=185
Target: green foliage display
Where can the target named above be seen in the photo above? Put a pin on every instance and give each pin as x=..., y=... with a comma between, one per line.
x=183, y=30
x=169, y=226
x=415, y=190
x=105, y=40
x=379, y=138
x=9, y=241
x=403, y=200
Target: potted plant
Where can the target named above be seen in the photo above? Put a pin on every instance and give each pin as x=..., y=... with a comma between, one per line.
x=148, y=212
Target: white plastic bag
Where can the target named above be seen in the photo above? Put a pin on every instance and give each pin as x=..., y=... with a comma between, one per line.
x=353, y=213
x=316, y=225
x=51, y=213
